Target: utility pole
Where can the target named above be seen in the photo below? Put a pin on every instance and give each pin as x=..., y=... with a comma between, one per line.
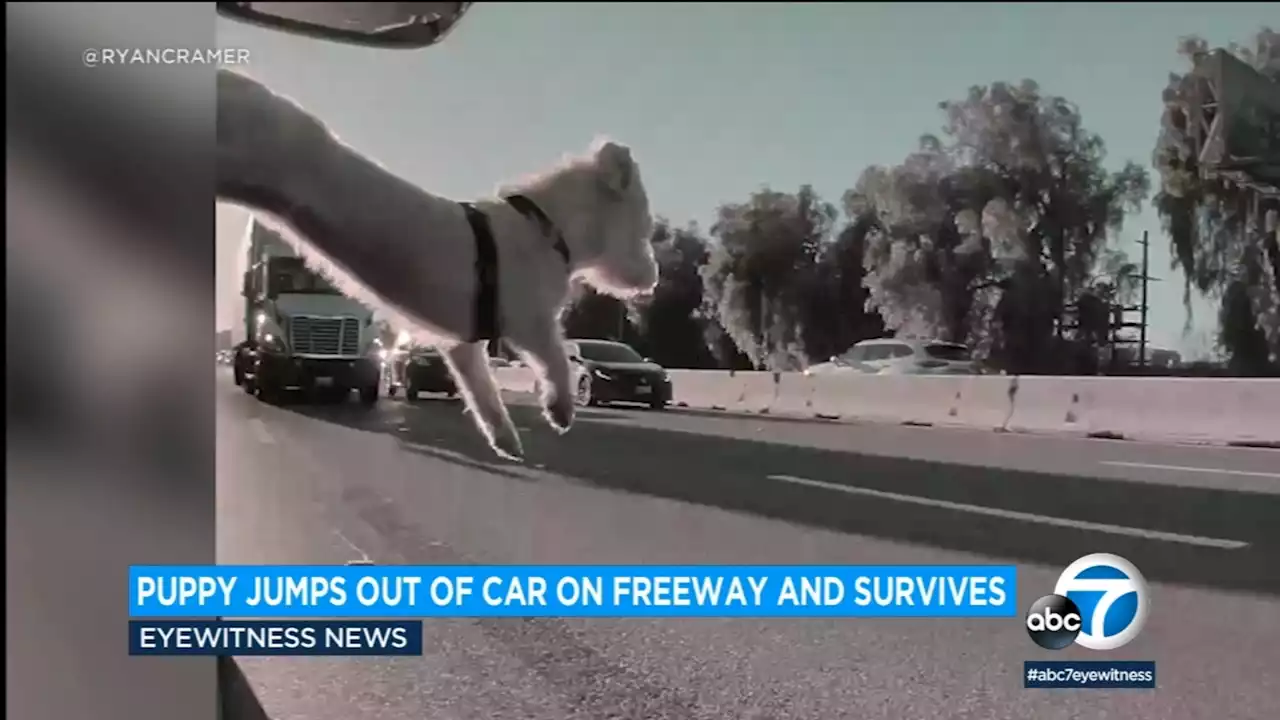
x=762, y=364
x=1146, y=280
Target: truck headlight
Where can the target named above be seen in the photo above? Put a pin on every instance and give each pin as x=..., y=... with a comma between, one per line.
x=273, y=343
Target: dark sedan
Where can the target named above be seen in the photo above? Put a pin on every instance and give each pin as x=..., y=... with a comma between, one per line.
x=612, y=372
x=419, y=370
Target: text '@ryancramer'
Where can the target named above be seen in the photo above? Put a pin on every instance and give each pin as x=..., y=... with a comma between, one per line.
x=96, y=57
x=1090, y=675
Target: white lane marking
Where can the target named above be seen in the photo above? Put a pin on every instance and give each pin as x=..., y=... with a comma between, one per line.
x=364, y=556
x=260, y=429
x=501, y=467
x=1027, y=517
x=1189, y=469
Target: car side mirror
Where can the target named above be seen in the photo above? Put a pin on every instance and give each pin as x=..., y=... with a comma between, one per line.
x=386, y=25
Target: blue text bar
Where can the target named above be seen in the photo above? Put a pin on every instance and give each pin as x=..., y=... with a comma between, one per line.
x=573, y=591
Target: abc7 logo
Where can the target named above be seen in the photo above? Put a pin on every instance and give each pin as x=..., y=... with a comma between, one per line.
x=1114, y=598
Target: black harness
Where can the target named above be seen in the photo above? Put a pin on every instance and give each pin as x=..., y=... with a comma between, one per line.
x=486, y=325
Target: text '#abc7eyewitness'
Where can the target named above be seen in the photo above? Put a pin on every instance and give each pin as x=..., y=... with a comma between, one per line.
x=1101, y=603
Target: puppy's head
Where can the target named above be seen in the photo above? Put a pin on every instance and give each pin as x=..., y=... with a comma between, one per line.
x=623, y=228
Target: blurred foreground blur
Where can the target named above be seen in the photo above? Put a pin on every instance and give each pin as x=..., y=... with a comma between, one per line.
x=110, y=290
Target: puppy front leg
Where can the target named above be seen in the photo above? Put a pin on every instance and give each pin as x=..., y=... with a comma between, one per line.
x=543, y=349
x=470, y=365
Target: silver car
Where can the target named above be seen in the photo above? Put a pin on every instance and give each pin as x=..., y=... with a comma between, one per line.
x=901, y=357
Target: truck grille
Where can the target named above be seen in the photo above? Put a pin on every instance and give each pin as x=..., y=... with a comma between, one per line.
x=324, y=336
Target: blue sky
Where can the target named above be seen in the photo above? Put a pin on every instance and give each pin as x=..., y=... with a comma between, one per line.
x=719, y=99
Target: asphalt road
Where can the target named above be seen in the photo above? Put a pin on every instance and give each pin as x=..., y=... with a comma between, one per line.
x=415, y=484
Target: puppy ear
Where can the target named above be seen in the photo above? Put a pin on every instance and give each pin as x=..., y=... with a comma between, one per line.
x=617, y=169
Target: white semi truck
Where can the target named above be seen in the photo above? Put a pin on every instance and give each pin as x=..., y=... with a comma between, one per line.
x=300, y=333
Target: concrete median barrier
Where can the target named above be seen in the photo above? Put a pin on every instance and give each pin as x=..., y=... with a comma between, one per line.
x=757, y=392
x=1234, y=411
x=1053, y=404
x=1218, y=411
x=795, y=396
x=984, y=402
x=705, y=389
x=901, y=399
x=516, y=379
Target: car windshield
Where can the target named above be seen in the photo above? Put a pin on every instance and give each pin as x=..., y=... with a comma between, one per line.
x=947, y=351
x=609, y=352
x=744, y=191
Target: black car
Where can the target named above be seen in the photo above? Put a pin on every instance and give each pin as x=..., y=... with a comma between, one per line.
x=421, y=369
x=613, y=372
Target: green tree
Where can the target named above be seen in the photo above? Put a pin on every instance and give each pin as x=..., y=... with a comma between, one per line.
x=926, y=260
x=987, y=234
x=672, y=322
x=594, y=315
x=1218, y=229
x=834, y=311
x=764, y=250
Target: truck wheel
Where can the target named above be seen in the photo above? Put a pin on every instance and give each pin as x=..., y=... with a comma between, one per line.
x=411, y=393
x=369, y=395
x=263, y=387
x=265, y=391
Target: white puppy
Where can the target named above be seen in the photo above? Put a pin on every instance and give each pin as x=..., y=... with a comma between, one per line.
x=412, y=255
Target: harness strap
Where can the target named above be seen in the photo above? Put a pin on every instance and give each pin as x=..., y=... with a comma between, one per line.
x=486, y=321
x=486, y=324
x=530, y=209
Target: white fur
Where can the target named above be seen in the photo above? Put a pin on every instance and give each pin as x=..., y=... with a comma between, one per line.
x=410, y=254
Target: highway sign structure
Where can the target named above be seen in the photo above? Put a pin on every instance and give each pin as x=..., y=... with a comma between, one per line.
x=1234, y=118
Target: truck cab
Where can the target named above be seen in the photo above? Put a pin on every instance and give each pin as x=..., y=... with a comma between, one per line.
x=301, y=333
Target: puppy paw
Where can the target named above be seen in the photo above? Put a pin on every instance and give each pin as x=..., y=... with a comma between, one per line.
x=506, y=442
x=559, y=414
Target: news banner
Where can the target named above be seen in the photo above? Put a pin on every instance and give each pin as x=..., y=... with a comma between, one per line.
x=238, y=610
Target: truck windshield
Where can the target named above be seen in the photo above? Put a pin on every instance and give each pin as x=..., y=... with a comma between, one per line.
x=291, y=275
